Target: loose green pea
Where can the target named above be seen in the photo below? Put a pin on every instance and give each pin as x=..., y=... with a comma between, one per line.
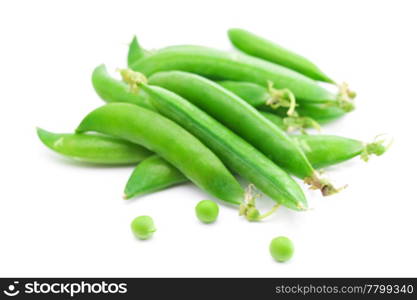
x=207, y=211
x=143, y=227
x=281, y=248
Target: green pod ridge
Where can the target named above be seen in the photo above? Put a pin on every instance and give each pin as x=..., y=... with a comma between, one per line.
x=237, y=154
x=113, y=90
x=169, y=141
x=321, y=150
x=252, y=93
x=230, y=110
x=257, y=46
x=151, y=175
x=222, y=65
x=258, y=131
x=258, y=97
x=320, y=112
x=96, y=149
x=277, y=120
x=326, y=150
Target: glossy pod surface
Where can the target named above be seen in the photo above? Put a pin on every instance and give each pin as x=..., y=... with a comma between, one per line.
x=326, y=150
x=112, y=90
x=136, y=52
x=277, y=120
x=255, y=94
x=258, y=96
x=95, y=149
x=257, y=46
x=237, y=154
x=222, y=65
x=151, y=175
x=168, y=140
x=239, y=116
x=321, y=150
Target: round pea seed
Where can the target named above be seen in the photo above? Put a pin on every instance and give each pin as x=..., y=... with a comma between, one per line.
x=281, y=248
x=143, y=227
x=207, y=211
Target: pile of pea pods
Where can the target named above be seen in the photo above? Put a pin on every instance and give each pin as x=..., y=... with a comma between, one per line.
x=193, y=113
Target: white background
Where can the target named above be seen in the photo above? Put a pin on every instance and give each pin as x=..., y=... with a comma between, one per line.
x=59, y=218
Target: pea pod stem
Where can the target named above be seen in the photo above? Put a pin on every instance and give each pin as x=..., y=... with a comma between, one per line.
x=132, y=78
x=281, y=98
x=378, y=147
x=316, y=182
x=300, y=123
x=248, y=208
x=345, y=97
x=110, y=89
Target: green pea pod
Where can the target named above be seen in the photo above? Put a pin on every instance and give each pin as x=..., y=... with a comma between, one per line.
x=151, y=175
x=277, y=120
x=236, y=153
x=221, y=65
x=244, y=120
x=327, y=150
x=168, y=140
x=260, y=97
x=259, y=47
x=113, y=90
x=136, y=52
x=154, y=174
x=95, y=149
x=255, y=94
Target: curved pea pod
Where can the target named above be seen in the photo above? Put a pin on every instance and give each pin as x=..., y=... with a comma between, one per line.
x=321, y=150
x=222, y=65
x=152, y=175
x=97, y=149
x=112, y=90
x=244, y=120
x=236, y=153
x=257, y=46
x=168, y=140
x=262, y=98
x=327, y=150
